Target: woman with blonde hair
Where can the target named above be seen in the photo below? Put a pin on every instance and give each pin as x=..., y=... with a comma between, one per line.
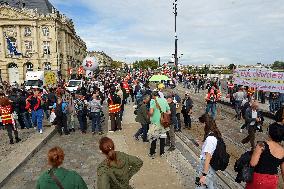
x=58, y=177
x=117, y=169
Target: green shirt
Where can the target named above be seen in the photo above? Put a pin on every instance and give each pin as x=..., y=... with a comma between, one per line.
x=156, y=116
x=68, y=178
x=117, y=176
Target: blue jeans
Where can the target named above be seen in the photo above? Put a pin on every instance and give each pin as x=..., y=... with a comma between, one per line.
x=210, y=177
x=211, y=107
x=37, y=117
x=96, y=121
x=143, y=130
x=82, y=121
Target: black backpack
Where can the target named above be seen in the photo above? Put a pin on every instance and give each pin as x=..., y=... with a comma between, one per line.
x=220, y=158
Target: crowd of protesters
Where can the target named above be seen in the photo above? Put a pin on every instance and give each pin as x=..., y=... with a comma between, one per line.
x=159, y=114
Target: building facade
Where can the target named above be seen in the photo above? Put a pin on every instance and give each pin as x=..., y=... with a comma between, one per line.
x=104, y=60
x=44, y=39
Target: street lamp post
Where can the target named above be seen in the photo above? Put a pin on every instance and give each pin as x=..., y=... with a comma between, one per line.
x=176, y=38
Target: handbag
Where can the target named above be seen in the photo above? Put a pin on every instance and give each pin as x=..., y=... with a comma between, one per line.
x=55, y=179
x=165, y=118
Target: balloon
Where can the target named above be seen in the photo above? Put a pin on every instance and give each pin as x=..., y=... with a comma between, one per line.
x=90, y=63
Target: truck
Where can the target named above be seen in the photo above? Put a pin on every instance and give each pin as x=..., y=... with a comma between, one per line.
x=38, y=79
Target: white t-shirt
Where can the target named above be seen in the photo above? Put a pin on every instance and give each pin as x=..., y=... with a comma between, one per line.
x=253, y=115
x=209, y=146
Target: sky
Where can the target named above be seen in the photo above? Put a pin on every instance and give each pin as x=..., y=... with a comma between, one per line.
x=209, y=31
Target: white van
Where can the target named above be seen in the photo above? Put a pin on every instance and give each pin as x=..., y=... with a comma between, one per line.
x=73, y=85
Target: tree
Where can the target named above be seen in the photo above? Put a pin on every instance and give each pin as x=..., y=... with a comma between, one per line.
x=278, y=65
x=116, y=64
x=145, y=64
x=232, y=66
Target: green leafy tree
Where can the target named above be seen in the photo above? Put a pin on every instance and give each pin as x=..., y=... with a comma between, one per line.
x=232, y=66
x=145, y=64
x=278, y=65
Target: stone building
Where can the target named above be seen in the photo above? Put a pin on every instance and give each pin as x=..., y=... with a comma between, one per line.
x=103, y=59
x=45, y=38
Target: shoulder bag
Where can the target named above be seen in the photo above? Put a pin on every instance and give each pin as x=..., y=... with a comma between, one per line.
x=165, y=118
x=55, y=179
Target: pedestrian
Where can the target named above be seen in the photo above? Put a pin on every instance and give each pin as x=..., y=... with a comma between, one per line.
x=267, y=157
x=61, y=116
x=96, y=108
x=114, y=104
x=143, y=118
x=177, y=101
x=211, y=98
x=117, y=169
x=70, y=113
x=253, y=119
x=238, y=99
x=206, y=174
x=187, y=105
x=34, y=103
x=156, y=130
x=7, y=119
x=59, y=177
x=171, y=132
x=81, y=111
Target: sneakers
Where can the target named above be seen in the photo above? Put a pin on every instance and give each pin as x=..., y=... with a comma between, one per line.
x=111, y=131
x=241, y=131
x=152, y=156
x=40, y=131
x=101, y=133
x=135, y=137
x=18, y=139
x=11, y=141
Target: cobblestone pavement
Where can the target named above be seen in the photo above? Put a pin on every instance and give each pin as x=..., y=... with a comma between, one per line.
x=226, y=122
x=6, y=148
x=81, y=154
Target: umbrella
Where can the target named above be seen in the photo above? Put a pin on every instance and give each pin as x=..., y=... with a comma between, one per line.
x=159, y=78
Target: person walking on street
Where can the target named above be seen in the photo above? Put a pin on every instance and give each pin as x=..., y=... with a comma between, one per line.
x=35, y=104
x=238, y=99
x=212, y=97
x=117, y=169
x=59, y=177
x=96, y=108
x=177, y=101
x=114, y=105
x=61, y=116
x=267, y=157
x=80, y=111
x=253, y=119
x=143, y=118
x=156, y=130
x=206, y=174
x=187, y=105
x=171, y=132
x=7, y=119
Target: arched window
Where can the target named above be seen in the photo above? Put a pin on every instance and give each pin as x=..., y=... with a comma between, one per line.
x=29, y=66
x=47, y=66
x=12, y=65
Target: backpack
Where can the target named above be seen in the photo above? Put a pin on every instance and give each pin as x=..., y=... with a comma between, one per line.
x=243, y=168
x=220, y=158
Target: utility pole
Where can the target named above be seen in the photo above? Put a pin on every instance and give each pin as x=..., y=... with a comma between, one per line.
x=159, y=59
x=176, y=38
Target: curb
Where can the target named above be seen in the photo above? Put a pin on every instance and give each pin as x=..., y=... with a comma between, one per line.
x=31, y=154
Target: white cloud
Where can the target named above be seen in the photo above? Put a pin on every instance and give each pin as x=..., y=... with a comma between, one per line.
x=210, y=31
